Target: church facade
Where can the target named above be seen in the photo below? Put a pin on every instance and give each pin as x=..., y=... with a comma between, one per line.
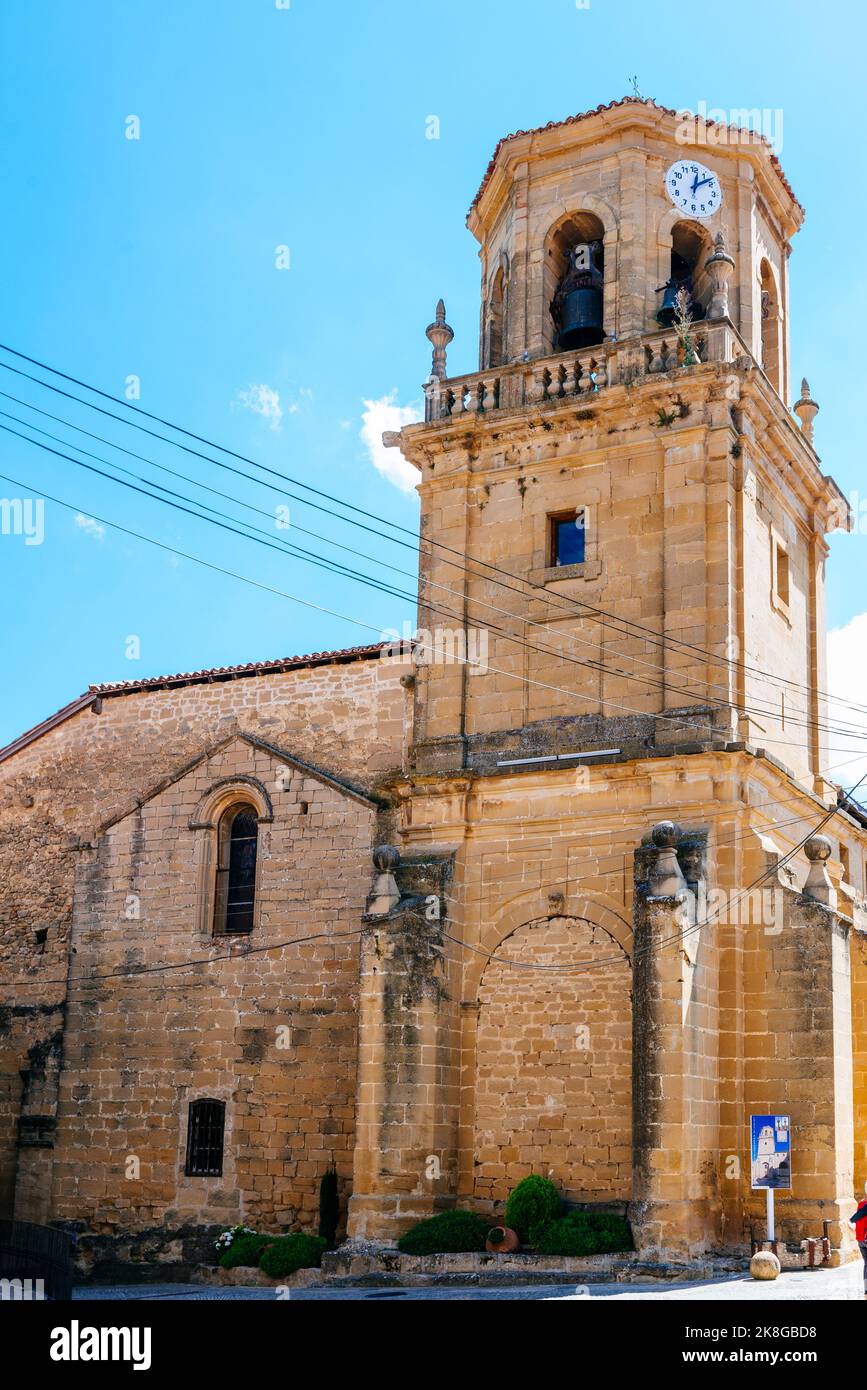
x=569, y=888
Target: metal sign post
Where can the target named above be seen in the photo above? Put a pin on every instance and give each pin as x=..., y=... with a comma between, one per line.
x=772, y=1235
x=770, y=1161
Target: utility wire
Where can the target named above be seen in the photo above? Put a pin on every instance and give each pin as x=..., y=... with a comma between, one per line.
x=665, y=642
x=753, y=709
x=579, y=966
x=310, y=557
x=584, y=967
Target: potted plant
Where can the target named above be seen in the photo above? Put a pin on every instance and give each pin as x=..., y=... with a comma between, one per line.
x=502, y=1240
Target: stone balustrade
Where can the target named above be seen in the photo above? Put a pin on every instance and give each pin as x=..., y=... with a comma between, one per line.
x=578, y=375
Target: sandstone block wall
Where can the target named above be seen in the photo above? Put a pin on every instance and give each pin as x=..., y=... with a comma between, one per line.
x=56, y=792
x=553, y=1089
x=271, y=1031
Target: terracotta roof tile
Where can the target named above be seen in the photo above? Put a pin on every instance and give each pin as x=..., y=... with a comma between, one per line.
x=623, y=101
x=250, y=668
x=215, y=673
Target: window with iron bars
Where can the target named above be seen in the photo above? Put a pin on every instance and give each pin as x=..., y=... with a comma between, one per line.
x=205, y=1130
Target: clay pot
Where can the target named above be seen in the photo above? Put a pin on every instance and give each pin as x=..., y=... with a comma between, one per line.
x=502, y=1241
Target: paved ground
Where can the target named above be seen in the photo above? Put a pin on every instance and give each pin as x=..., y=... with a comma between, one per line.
x=801, y=1286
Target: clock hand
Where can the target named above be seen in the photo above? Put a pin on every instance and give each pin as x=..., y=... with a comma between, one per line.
x=702, y=181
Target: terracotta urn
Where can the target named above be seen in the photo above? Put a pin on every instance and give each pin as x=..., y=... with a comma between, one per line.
x=502, y=1241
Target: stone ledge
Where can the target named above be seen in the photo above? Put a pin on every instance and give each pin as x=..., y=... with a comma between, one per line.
x=386, y=1267
x=251, y=1276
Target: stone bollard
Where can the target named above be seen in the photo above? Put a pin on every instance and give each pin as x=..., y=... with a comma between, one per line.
x=764, y=1265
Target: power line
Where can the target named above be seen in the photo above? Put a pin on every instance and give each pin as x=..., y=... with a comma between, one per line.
x=371, y=582
x=135, y=972
x=662, y=640
x=293, y=598
x=571, y=637
x=584, y=967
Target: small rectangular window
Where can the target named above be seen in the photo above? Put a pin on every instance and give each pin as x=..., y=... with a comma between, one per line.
x=568, y=539
x=846, y=863
x=205, y=1127
x=782, y=575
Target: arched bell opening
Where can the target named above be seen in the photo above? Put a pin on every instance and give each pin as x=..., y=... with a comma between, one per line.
x=691, y=246
x=770, y=309
x=574, y=280
x=496, y=322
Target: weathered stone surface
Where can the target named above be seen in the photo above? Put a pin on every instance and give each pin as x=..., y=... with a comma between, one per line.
x=489, y=1007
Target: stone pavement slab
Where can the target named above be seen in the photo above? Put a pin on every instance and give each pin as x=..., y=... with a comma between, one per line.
x=799, y=1286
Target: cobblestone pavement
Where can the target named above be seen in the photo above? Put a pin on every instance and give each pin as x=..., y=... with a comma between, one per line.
x=800, y=1286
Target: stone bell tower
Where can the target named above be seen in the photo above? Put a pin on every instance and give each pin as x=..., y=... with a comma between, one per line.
x=622, y=565
x=699, y=503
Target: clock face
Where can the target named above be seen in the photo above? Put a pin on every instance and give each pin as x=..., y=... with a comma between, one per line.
x=693, y=188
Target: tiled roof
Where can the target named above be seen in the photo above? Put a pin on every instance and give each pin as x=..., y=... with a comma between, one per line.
x=210, y=676
x=227, y=673
x=623, y=101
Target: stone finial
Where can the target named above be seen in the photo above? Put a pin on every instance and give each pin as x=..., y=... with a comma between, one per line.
x=818, y=886
x=666, y=879
x=440, y=335
x=719, y=266
x=806, y=410
x=385, y=893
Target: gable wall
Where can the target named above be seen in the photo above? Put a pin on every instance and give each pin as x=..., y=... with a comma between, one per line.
x=270, y=1032
x=348, y=719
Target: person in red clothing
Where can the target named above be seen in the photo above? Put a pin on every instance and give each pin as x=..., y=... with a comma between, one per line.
x=859, y=1221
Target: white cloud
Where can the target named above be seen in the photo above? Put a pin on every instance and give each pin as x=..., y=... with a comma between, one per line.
x=847, y=680
x=265, y=401
x=89, y=526
x=386, y=414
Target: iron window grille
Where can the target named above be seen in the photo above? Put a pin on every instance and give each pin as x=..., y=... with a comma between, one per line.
x=205, y=1130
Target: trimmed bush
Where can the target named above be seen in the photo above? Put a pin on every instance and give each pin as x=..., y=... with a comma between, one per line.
x=244, y=1250
x=287, y=1254
x=582, y=1233
x=534, y=1202
x=447, y=1233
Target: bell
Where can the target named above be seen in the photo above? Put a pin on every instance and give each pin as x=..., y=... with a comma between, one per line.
x=577, y=305
x=681, y=279
x=665, y=312
x=581, y=318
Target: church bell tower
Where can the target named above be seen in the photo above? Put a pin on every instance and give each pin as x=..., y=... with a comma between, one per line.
x=621, y=591
x=620, y=496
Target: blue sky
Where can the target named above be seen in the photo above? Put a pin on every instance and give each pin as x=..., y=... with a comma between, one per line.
x=306, y=127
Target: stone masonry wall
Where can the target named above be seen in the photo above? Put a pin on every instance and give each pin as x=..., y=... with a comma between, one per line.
x=553, y=1068
x=271, y=1031
x=54, y=794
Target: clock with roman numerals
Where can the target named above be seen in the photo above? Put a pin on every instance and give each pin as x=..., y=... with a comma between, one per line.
x=693, y=188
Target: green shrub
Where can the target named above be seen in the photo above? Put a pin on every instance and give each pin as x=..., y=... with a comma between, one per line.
x=286, y=1254
x=535, y=1201
x=582, y=1233
x=244, y=1250
x=447, y=1233
x=329, y=1205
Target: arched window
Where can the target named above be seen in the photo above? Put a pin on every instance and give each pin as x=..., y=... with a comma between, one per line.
x=205, y=1129
x=573, y=282
x=770, y=326
x=237, y=843
x=690, y=247
x=496, y=321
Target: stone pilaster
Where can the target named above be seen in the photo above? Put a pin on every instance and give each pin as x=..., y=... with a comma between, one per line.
x=674, y=1208
x=406, y=1111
